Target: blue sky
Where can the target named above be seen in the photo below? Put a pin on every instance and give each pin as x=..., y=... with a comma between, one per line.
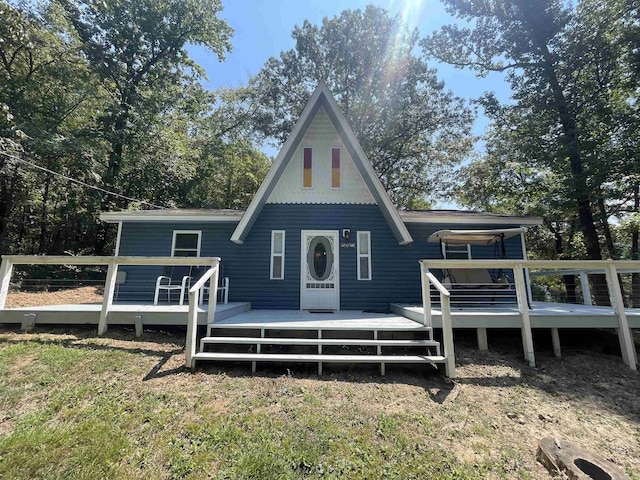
x=262, y=29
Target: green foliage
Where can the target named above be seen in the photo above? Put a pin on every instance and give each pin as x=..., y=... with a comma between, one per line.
x=412, y=129
x=566, y=146
x=228, y=176
x=105, y=93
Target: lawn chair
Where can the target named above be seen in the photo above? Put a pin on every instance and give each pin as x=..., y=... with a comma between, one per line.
x=179, y=280
x=223, y=285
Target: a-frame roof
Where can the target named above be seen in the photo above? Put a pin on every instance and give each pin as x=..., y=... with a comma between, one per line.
x=322, y=97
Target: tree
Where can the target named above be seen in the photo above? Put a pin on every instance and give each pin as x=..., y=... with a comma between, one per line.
x=412, y=129
x=561, y=65
x=137, y=49
x=229, y=175
x=231, y=168
x=105, y=94
x=48, y=93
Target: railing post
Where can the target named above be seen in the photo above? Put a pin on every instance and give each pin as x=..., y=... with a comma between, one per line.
x=586, y=289
x=483, y=342
x=426, y=296
x=555, y=340
x=109, y=289
x=523, y=306
x=627, y=346
x=192, y=329
x=6, y=268
x=447, y=336
x=213, y=294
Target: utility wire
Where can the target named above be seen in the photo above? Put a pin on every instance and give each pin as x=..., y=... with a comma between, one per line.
x=79, y=182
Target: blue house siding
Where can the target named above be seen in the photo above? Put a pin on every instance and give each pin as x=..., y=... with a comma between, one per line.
x=395, y=271
x=154, y=239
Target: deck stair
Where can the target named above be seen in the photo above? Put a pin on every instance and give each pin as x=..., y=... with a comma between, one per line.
x=311, y=344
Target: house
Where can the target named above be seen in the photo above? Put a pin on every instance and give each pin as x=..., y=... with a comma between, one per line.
x=320, y=234
x=318, y=260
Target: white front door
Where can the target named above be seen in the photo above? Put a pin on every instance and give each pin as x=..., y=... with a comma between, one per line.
x=320, y=279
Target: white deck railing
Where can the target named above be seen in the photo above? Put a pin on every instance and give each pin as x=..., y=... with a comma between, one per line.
x=112, y=263
x=427, y=279
x=583, y=274
x=609, y=268
x=192, y=320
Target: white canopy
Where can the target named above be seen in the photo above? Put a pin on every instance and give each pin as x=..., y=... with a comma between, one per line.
x=474, y=237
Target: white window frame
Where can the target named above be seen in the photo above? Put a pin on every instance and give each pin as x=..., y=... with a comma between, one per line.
x=367, y=235
x=274, y=254
x=302, y=170
x=188, y=232
x=444, y=250
x=331, y=168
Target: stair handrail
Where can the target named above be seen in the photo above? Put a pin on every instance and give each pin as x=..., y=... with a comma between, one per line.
x=428, y=279
x=192, y=316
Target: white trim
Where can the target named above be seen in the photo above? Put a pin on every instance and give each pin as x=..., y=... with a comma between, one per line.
x=178, y=232
x=443, y=245
x=525, y=256
x=360, y=157
x=360, y=255
x=303, y=261
x=264, y=186
x=114, y=217
x=118, y=239
x=310, y=147
x=331, y=168
x=273, y=254
x=474, y=237
x=473, y=219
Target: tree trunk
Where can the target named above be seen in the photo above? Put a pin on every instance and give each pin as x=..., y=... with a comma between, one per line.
x=570, y=288
x=103, y=233
x=635, y=277
x=607, y=230
x=42, y=248
x=8, y=189
x=571, y=144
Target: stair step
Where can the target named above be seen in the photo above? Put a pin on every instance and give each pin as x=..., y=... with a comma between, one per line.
x=309, y=327
x=320, y=341
x=299, y=358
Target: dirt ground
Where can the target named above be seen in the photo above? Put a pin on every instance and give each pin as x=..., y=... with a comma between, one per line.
x=60, y=297
x=497, y=404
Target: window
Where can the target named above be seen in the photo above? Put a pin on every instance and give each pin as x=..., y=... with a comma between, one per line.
x=307, y=168
x=364, y=256
x=335, y=168
x=456, y=252
x=186, y=243
x=277, y=255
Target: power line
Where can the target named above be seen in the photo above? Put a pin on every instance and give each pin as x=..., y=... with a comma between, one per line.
x=79, y=182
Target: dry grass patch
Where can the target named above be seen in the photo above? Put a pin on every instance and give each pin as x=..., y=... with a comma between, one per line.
x=118, y=407
x=71, y=296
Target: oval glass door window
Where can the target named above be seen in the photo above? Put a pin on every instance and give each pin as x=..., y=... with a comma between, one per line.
x=320, y=258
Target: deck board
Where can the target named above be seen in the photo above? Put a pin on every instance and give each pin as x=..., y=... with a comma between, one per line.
x=120, y=313
x=542, y=315
x=340, y=320
x=314, y=358
x=404, y=316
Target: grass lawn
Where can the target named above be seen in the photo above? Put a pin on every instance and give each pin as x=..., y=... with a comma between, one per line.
x=73, y=405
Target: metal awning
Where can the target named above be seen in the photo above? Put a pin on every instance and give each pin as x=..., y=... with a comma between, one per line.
x=474, y=237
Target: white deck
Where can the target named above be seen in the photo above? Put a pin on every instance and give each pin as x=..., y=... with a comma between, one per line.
x=404, y=316
x=542, y=315
x=119, y=313
x=297, y=319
